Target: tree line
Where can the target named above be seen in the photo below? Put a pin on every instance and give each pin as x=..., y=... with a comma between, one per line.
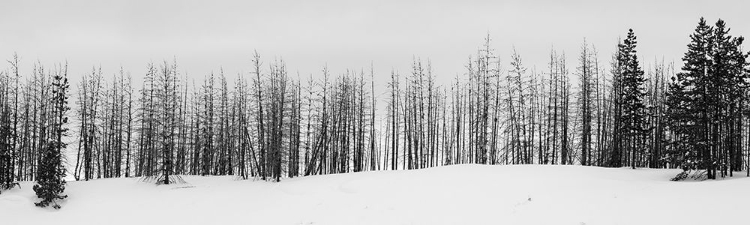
x=269, y=124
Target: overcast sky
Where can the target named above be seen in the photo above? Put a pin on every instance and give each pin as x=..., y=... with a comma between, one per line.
x=207, y=35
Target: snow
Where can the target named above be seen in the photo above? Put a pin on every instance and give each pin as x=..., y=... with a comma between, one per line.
x=461, y=194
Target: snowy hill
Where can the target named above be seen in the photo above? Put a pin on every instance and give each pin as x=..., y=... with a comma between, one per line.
x=463, y=194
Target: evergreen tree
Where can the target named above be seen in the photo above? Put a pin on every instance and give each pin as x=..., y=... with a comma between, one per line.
x=704, y=102
x=686, y=102
x=633, y=122
x=50, y=182
x=729, y=81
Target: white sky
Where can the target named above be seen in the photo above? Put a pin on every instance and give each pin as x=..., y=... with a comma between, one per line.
x=207, y=35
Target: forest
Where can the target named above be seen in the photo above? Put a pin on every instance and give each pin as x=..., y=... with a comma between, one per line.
x=272, y=125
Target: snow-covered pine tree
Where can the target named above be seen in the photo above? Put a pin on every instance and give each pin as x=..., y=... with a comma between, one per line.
x=50, y=182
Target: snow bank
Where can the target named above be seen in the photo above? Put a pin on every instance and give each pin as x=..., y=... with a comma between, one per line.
x=463, y=194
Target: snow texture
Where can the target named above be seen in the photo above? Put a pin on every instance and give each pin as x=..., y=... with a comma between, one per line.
x=462, y=194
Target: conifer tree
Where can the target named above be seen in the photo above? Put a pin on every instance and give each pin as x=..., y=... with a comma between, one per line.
x=704, y=102
x=50, y=182
x=633, y=123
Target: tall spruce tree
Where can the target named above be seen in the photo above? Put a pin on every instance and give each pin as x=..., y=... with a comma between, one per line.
x=729, y=79
x=50, y=182
x=633, y=123
x=687, y=103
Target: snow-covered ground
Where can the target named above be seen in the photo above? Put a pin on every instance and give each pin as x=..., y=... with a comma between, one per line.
x=462, y=194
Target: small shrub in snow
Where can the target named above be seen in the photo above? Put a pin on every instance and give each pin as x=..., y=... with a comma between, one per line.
x=50, y=183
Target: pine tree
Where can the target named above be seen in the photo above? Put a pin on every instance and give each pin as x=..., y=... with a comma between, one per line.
x=50, y=175
x=633, y=123
x=687, y=101
x=704, y=102
x=729, y=79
